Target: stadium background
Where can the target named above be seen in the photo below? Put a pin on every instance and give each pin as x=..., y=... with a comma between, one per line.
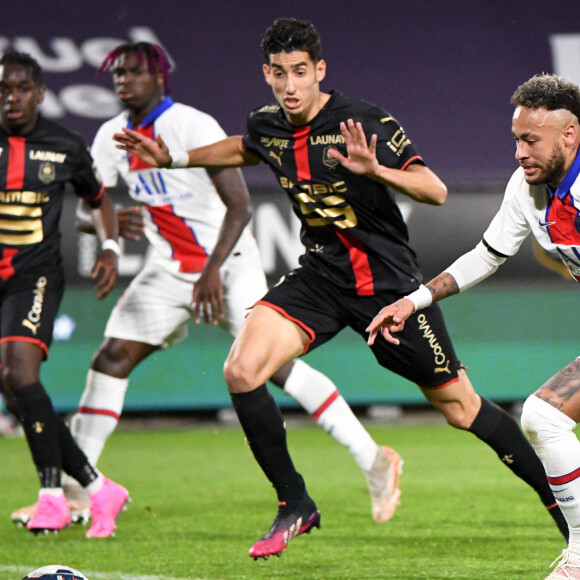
x=445, y=69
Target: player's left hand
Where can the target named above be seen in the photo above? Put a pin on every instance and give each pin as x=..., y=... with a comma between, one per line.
x=106, y=272
x=208, y=297
x=361, y=156
x=390, y=319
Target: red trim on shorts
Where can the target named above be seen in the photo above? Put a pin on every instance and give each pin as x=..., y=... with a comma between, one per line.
x=439, y=386
x=303, y=326
x=564, y=478
x=38, y=343
x=360, y=264
x=106, y=412
x=411, y=161
x=326, y=404
x=16, y=159
x=301, y=153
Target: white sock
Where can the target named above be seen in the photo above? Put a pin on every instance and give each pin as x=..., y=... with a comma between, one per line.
x=320, y=397
x=98, y=413
x=95, y=485
x=551, y=434
x=54, y=491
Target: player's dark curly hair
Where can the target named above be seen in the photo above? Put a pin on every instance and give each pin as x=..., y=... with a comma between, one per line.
x=289, y=34
x=549, y=92
x=24, y=59
x=157, y=60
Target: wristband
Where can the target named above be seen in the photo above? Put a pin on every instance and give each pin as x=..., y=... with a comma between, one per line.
x=112, y=245
x=421, y=298
x=179, y=159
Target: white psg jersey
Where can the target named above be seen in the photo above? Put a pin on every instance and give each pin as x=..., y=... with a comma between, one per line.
x=184, y=211
x=553, y=218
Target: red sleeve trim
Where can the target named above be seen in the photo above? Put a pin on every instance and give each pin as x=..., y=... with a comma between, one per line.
x=95, y=201
x=412, y=160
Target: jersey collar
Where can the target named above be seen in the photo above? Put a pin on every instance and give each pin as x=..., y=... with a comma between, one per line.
x=156, y=112
x=568, y=180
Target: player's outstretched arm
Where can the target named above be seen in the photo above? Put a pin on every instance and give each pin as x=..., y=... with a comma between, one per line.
x=225, y=153
x=416, y=181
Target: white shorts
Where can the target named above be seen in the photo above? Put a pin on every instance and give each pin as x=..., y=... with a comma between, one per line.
x=156, y=306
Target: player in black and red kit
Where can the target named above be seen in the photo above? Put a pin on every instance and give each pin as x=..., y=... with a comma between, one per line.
x=339, y=160
x=38, y=158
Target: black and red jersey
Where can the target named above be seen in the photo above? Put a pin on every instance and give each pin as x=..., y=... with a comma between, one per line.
x=34, y=171
x=352, y=228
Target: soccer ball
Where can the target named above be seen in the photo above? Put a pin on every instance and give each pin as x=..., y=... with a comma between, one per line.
x=55, y=572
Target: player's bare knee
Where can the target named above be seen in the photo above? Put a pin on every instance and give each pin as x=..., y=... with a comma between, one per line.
x=238, y=376
x=113, y=360
x=456, y=415
x=16, y=376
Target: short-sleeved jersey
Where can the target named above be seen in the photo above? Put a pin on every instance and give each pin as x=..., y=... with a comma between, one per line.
x=552, y=216
x=34, y=171
x=353, y=231
x=184, y=211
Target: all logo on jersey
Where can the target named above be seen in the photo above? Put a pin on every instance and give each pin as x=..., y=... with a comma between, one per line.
x=46, y=172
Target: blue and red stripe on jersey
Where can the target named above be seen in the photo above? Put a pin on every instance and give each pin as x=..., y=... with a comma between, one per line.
x=184, y=245
x=147, y=128
x=562, y=217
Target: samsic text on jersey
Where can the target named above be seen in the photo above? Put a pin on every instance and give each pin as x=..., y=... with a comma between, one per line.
x=34, y=171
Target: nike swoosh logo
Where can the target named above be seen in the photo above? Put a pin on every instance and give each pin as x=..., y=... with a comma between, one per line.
x=545, y=224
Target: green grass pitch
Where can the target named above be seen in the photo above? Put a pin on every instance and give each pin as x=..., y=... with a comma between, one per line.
x=199, y=501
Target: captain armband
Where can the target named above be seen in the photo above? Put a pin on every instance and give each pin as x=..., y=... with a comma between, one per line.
x=179, y=159
x=474, y=267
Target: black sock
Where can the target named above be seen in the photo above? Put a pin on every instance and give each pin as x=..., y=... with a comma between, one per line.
x=263, y=425
x=40, y=425
x=74, y=461
x=502, y=433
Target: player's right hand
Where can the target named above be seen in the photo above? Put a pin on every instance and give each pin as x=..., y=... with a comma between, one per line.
x=154, y=153
x=208, y=297
x=130, y=220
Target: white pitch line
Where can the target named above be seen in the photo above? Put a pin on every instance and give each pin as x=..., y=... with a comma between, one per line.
x=96, y=575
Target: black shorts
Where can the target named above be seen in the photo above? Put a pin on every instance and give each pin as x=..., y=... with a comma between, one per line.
x=425, y=355
x=29, y=303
